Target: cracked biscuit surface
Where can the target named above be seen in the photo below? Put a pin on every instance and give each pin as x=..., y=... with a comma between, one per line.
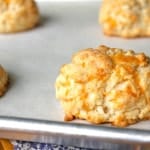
x=125, y=18
x=18, y=15
x=3, y=80
x=105, y=85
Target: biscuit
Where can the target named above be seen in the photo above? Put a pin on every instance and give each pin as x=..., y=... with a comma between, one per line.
x=3, y=80
x=18, y=15
x=105, y=85
x=125, y=18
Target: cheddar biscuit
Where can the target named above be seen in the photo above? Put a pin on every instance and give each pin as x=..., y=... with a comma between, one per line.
x=125, y=18
x=105, y=85
x=18, y=15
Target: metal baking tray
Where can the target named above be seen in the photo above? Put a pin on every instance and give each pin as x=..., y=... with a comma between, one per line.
x=29, y=109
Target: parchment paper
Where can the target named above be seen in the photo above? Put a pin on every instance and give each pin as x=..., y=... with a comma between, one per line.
x=33, y=58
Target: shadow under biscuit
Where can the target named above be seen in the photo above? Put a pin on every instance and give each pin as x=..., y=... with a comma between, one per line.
x=46, y=20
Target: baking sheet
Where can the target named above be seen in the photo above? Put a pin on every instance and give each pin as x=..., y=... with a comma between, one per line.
x=33, y=60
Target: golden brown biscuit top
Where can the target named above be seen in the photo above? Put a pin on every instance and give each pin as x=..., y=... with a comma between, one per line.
x=104, y=65
x=100, y=62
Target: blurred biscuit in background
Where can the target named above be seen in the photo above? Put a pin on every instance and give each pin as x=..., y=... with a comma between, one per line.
x=18, y=15
x=125, y=18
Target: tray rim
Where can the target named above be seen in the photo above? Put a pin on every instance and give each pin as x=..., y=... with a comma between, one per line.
x=63, y=133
